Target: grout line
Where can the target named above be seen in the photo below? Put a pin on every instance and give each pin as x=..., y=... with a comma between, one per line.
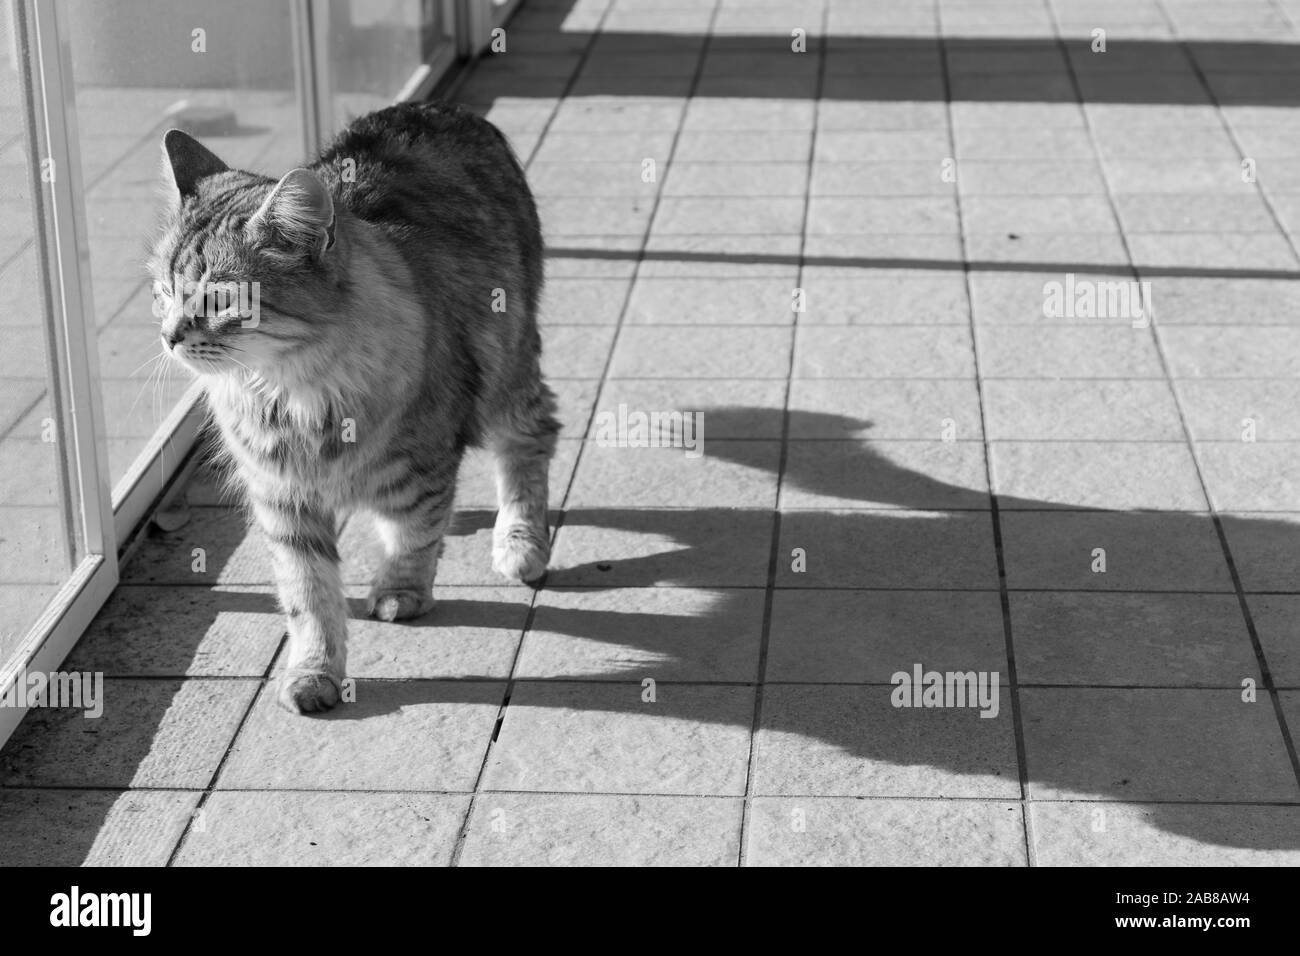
x=769, y=596
x=230, y=747
x=1266, y=678
x=1017, y=718
x=1226, y=124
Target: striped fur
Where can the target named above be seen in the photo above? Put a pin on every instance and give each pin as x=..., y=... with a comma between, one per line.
x=376, y=359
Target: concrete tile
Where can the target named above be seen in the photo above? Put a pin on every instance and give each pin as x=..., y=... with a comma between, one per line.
x=616, y=114
x=510, y=829
x=1219, y=301
x=604, y=738
x=628, y=634
x=699, y=301
x=603, y=146
x=842, y=636
x=605, y=85
x=735, y=179
x=20, y=395
x=1058, y=178
x=1253, y=353
x=216, y=546
x=572, y=351
x=887, y=549
x=728, y=215
x=92, y=827
x=1068, y=351
x=565, y=216
x=592, y=256
x=726, y=408
x=670, y=63
x=1163, y=640
x=1149, y=175
x=177, y=631
x=29, y=473
x=1143, y=551
x=1264, y=550
x=883, y=352
x=1017, y=298
x=470, y=633
x=1250, y=476
x=838, y=145
x=1062, y=250
x=1037, y=214
x=735, y=474
x=885, y=255
x=884, y=408
x=913, y=215
x=1030, y=142
x=446, y=727
x=324, y=829
x=789, y=831
x=575, y=399
x=1163, y=834
x=925, y=475
x=1194, y=142
x=603, y=179
x=1210, y=250
x=1195, y=213
x=1100, y=409
x=850, y=741
x=1164, y=744
x=738, y=113
x=743, y=146
x=1277, y=624
x=903, y=114
x=715, y=547
x=717, y=257
x=153, y=733
x=938, y=299
x=1147, y=476
x=717, y=351
x=904, y=177
x=882, y=86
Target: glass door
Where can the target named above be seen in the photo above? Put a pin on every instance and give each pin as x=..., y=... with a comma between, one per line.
x=57, y=552
x=94, y=424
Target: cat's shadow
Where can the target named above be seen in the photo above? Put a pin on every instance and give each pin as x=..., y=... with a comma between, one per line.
x=865, y=521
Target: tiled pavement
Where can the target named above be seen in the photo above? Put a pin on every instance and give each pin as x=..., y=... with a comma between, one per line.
x=951, y=467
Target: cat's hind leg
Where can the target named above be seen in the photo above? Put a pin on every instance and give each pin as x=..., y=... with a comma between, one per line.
x=522, y=445
x=411, y=522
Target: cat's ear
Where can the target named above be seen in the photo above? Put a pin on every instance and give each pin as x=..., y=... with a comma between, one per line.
x=188, y=161
x=299, y=212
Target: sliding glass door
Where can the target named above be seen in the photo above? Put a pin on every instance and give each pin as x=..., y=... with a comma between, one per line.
x=94, y=424
x=57, y=547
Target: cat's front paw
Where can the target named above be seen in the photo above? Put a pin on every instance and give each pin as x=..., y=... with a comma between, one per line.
x=520, y=555
x=398, y=604
x=308, y=692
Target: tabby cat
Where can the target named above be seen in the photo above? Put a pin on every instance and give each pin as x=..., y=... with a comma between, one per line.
x=397, y=282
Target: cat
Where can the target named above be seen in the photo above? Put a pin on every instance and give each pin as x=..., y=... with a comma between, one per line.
x=397, y=281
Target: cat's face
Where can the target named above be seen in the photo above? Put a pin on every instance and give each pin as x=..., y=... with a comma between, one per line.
x=242, y=273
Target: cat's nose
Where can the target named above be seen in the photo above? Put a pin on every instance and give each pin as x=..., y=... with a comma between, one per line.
x=173, y=337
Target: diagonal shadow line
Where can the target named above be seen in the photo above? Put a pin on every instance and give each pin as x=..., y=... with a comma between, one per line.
x=938, y=265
